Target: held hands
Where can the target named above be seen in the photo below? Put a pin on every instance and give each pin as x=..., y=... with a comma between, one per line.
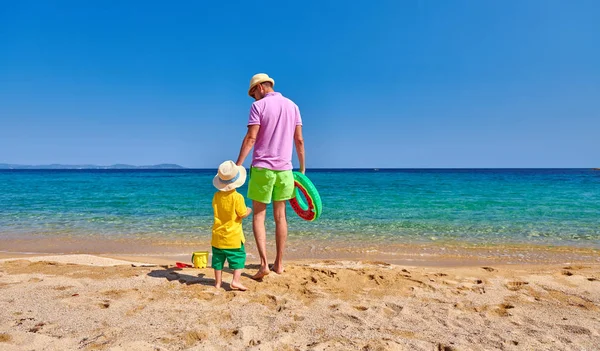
x=248, y=211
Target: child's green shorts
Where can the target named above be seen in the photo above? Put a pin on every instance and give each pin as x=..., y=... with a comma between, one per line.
x=235, y=257
x=266, y=185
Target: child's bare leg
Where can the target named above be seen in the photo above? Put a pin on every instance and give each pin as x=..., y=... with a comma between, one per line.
x=218, y=278
x=236, y=283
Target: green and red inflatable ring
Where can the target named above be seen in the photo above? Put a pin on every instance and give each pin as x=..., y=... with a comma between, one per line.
x=312, y=208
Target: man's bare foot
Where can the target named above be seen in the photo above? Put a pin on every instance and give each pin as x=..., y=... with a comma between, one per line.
x=275, y=269
x=261, y=274
x=238, y=286
x=218, y=286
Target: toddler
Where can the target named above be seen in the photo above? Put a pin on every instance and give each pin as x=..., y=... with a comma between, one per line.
x=227, y=236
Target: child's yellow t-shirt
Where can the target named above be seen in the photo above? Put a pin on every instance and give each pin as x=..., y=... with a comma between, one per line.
x=229, y=207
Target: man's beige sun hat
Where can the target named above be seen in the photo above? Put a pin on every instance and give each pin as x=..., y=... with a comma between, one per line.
x=229, y=176
x=259, y=78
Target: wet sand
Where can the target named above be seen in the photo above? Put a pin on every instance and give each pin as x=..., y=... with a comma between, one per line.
x=168, y=250
x=113, y=301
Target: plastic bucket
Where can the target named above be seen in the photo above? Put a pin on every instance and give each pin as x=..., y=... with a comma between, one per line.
x=200, y=259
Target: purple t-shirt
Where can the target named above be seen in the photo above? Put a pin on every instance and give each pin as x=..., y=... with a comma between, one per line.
x=278, y=117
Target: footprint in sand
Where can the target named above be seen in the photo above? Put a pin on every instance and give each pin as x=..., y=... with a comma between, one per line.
x=114, y=293
x=352, y=318
x=205, y=295
x=327, y=272
x=135, y=310
x=575, y=329
x=395, y=307
x=266, y=300
x=193, y=337
x=309, y=294
x=503, y=308
x=94, y=343
x=489, y=269
x=515, y=285
x=62, y=287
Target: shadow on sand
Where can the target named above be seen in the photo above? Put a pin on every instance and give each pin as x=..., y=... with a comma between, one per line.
x=176, y=274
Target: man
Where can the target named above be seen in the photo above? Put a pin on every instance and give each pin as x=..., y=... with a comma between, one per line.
x=274, y=126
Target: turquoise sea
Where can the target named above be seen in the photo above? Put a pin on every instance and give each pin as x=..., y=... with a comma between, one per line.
x=477, y=206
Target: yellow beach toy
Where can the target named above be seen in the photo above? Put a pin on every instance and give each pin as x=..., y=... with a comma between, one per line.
x=200, y=259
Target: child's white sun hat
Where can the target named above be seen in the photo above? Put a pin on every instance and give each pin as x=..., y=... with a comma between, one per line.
x=229, y=176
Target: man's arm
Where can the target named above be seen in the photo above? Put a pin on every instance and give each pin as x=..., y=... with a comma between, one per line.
x=248, y=143
x=299, y=141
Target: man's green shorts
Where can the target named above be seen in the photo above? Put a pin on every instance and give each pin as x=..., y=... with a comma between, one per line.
x=235, y=257
x=266, y=185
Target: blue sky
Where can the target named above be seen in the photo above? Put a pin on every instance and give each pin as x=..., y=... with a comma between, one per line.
x=379, y=83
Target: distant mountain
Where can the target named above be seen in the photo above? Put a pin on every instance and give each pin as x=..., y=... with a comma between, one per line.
x=117, y=166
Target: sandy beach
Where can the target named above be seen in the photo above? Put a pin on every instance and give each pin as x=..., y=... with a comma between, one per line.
x=90, y=302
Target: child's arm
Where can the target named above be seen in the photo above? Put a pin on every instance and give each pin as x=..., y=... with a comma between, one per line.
x=240, y=207
x=248, y=211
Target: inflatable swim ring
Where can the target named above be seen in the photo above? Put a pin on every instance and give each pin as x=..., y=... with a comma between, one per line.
x=312, y=208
